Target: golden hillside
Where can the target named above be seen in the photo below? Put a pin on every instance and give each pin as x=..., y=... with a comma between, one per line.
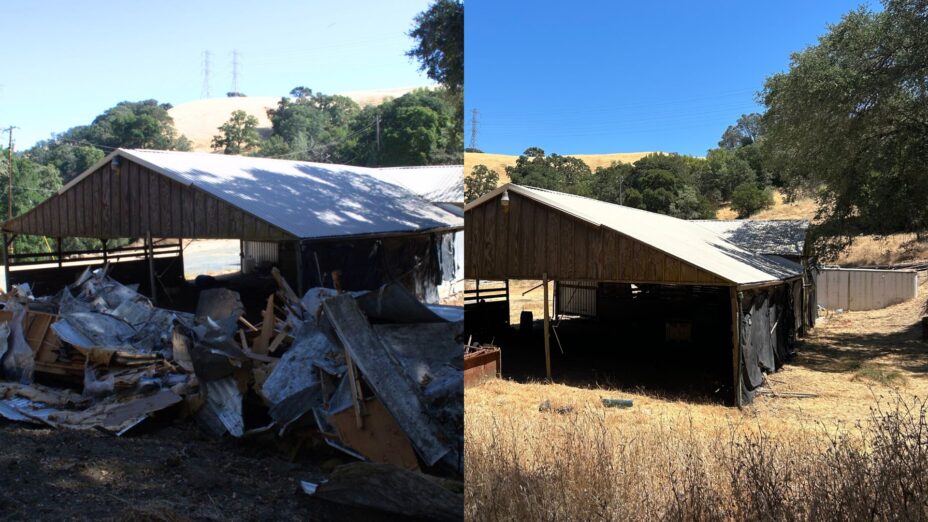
x=499, y=162
x=199, y=120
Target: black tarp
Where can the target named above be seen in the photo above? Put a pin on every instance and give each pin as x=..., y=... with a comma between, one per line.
x=768, y=333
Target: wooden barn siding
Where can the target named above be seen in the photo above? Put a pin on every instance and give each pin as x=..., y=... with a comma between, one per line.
x=108, y=205
x=533, y=239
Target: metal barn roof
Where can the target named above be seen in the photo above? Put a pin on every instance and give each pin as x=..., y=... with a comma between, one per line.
x=308, y=200
x=782, y=237
x=680, y=238
x=438, y=184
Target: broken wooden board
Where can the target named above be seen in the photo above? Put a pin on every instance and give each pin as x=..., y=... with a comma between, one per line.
x=380, y=439
x=267, y=328
x=385, y=375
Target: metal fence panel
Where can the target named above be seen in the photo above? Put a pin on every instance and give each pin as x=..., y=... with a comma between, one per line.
x=864, y=289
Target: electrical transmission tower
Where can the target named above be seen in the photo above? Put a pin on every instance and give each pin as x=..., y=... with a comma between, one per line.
x=473, y=128
x=235, y=66
x=204, y=93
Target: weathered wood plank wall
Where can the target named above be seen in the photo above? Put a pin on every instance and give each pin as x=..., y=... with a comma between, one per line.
x=531, y=239
x=133, y=200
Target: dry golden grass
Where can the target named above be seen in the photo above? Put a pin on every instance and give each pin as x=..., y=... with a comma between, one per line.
x=888, y=250
x=802, y=208
x=499, y=162
x=662, y=458
x=199, y=120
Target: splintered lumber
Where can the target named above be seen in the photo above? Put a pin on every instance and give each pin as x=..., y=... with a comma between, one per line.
x=248, y=325
x=385, y=375
x=279, y=339
x=289, y=295
x=267, y=328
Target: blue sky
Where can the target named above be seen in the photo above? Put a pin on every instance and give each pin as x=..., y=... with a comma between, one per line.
x=67, y=61
x=623, y=76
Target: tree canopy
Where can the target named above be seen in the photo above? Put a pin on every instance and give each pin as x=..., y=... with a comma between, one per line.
x=554, y=172
x=238, y=135
x=850, y=119
x=439, y=35
x=482, y=180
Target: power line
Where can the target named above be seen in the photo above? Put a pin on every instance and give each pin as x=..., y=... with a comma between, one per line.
x=371, y=125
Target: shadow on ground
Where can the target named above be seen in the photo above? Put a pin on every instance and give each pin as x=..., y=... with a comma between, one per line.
x=174, y=474
x=847, y=352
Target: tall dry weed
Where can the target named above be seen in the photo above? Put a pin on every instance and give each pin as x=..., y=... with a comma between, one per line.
x=575, y=467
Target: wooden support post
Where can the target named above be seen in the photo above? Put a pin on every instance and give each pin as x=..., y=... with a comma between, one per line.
x=58, y=246
x=300, y=287
x=547, y=329
x=150, y=253
x=180, y=257
x=6, y=264
x=735, y=344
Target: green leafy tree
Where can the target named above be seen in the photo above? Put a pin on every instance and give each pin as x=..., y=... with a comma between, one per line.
x=274, y=147
x=238, y=135
x=439, y=35
x=482, y=180
x=748, y=198
x=32, y=184
x=554, y=172
x=69, y=158
x=745, y=131
x=668, y=184
x=417, y=128
x=313, y=125
x=850, y=119
x=724, y=171
x=135, y=125
x=611, y=183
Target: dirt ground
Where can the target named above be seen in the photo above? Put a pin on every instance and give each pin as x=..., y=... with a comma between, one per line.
x=171, y=474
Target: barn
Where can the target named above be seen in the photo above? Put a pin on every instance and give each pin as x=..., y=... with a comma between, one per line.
x=316, y=222
x=658, y=284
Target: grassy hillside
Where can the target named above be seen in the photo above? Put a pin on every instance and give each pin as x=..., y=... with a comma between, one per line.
x=199, y=120
x=499, y=162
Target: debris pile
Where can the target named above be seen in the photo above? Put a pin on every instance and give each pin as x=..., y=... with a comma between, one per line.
x=378, y=375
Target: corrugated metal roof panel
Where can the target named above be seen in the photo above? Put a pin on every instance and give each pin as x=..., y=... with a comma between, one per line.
x=438, y=184
x=309, y=200
x=783, y=237
x=682, y=239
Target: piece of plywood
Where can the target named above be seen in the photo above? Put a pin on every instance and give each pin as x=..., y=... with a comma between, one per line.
x=380, y=439
x=385, y=375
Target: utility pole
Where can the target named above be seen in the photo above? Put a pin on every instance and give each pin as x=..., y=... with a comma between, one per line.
x=235, y=71
x=9, y=200
x=205, y=91
x=621, y=192
x=473, y=128
x=377, y=123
